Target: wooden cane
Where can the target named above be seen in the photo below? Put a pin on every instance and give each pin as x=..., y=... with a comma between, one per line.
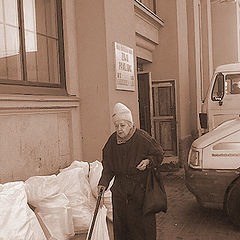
x=95, y=214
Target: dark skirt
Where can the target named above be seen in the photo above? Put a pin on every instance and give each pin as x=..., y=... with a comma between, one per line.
x=128, y=220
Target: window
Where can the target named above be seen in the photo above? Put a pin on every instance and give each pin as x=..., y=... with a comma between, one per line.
x=233, y=83
x=150, y=4
x=31, y=46
x=218, y=88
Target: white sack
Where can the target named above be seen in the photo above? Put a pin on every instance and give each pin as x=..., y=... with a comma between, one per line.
x=78, y=164
x=55, y=216
x=100, y=230
x=94, y=177
x=74, y=184
x=17, y=220
x=38, y=233
x=41, y=187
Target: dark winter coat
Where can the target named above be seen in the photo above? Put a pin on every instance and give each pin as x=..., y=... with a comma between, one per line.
x=120, y=161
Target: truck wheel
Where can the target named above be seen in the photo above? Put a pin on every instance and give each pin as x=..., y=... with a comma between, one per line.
x=232, y=206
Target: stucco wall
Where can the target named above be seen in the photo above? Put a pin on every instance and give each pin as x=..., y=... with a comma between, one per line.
x=192, y=64
x=28, y=150
x=39, y=135
x=93, y=78
x=120, y=27
x=98, y=28
x=165, y=55
x=224, y=33
x=206, y=37
x=183, y=78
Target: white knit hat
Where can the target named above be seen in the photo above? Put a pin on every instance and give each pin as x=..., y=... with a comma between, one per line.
x=121, y=112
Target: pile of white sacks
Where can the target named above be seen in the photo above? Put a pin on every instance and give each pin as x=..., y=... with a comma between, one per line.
x=63, y=204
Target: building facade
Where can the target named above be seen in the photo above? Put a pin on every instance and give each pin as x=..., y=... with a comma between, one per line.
x=65, y=63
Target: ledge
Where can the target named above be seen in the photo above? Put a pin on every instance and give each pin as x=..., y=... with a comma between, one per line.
x=147, y=26
x=28, y=102
x=148, y=14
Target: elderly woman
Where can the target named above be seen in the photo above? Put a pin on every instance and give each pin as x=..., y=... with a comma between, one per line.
x=126, y=156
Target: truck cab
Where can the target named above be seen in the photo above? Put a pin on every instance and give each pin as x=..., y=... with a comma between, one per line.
x=222, y=101
x=213, y=170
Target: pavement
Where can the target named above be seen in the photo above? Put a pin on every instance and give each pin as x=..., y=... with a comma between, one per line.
x=185, y=219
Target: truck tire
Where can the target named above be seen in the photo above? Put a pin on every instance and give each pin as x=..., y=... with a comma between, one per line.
x=232, y=206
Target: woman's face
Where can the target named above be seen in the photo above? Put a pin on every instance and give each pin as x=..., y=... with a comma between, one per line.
x=123, y=128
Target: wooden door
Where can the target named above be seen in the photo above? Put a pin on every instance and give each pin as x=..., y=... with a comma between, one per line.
x=145, y=101
x=164, y=115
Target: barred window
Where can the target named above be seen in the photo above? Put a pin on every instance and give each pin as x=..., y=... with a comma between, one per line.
x=31, y=47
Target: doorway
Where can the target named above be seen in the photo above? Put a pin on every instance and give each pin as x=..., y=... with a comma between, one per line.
x=164, y=115
x=145, y=102
x=157, y=111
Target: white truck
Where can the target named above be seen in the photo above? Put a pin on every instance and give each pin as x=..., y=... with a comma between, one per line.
x=222, y=100
x=213, y=170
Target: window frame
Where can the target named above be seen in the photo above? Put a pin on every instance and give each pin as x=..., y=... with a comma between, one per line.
x=213, y=97
x=37, y=88
x=154, y=10
x=231, y=80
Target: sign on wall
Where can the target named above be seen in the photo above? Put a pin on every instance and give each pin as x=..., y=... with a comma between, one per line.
x=124, y=62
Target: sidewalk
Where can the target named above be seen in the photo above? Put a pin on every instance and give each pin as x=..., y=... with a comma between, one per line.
x=186, y=220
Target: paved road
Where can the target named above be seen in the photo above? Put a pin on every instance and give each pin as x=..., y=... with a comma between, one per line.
x=186, y=220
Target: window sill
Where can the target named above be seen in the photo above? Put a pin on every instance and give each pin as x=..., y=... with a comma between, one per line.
x=31, y=90
x=23, y=102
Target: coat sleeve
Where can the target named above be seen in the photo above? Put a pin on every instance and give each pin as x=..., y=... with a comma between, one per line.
x=107, y=173
x=155, y=153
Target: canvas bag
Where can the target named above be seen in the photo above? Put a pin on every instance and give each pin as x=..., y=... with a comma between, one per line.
x=17, y=220
x=100, y=230
x=94, y=176
x=55, y=216
x=76, y=187
x=39, y=188
x=155, y=198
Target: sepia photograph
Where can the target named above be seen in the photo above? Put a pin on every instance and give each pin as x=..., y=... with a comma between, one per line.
x=119, y=119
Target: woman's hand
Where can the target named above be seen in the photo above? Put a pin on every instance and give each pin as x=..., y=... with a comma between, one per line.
x=143, y=164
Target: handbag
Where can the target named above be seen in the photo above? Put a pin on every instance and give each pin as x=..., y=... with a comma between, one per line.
x=155, y=198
